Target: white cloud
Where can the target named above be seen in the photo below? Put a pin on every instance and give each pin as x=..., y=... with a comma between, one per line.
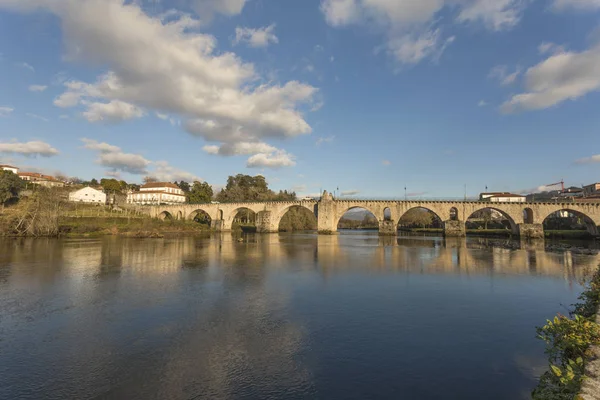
x=115, y=159
x=299, y=188
x=386, y=162
x=589, y=160
x=497, y=15
x=101, y=147
x=259, y=37
x=6, y=111
x=24, y=64
x=482, y=103
x=500, y=73
x=274, y=160
x=126, y=162
x=112, y=112
x=163, y=64
x=38, y=117
x=412, y=27
x=349, y=192
x=34, y=148
x=560, y=5
x=563, y=76
x=240, y=148
x=37, y=88
x=548, y=47
x=321, y=140
x=164, y=172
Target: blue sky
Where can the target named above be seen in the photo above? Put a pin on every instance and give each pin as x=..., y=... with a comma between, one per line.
x=366, y=95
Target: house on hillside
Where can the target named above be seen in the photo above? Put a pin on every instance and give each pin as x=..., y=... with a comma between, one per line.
x=40, y=179
x=502, y=197
x=10, y=168
x=157, y=193
x=590, y=190
x=88, y=195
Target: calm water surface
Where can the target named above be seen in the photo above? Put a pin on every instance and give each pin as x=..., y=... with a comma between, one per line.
x=352, y=316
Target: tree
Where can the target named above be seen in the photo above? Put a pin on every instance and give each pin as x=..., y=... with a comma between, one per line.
x=93, y=182
x=250, y=188
x=417, y=217
x=183, y=185
x=201, y=192
x=150, y=179
x=10, y=186
x=123, y=185
x=110, y=185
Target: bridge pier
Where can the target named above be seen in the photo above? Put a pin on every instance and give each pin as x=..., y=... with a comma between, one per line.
x=326, y=215
x=265, y=224
x=454, y=228
x=217, y=224
x=387, y=228
x=531, y=231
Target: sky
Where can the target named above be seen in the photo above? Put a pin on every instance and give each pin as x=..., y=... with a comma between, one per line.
x=357, y=97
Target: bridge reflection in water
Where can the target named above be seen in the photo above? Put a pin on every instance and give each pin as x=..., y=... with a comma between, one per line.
x=328, y=253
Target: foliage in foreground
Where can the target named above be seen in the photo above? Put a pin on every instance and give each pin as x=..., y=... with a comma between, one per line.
x=568, y=341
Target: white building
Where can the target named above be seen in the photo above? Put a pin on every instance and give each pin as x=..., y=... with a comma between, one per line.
x=157, y=193
x=10, y=168
x=502, y=197
x=88, y=195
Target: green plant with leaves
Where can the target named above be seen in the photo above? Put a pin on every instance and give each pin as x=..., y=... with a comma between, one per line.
x=10, y=186
x=568, y=341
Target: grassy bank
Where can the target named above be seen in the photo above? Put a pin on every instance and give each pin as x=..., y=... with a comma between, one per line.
x=99, y=226
x=573, y=234
x=137, y=227
x=568, y=342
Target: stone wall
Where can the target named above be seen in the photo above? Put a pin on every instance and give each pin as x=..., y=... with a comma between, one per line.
x=454, y=228
x=531, y=231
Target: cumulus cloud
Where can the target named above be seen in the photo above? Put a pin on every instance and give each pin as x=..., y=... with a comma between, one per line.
x=562, y=76
x=113, y=158
x=115, y=111
x=163, y=64
x=259, y=37
x=410, y=26
x=386, y=162
x=482, y=103
x=6, y=111
x=164, y=172
x=240, y=148
x=275, y=160
x=30, y=149
x=589, y=160
x=349, y=192
x=501, y=74
x=101, y=147
x=37, y=88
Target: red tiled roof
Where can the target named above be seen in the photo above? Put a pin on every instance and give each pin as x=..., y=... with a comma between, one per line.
x=159, y=185
x=507, y=195
x=38, y=175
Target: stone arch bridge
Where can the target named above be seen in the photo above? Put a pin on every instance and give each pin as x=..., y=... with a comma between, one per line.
x=525, y=218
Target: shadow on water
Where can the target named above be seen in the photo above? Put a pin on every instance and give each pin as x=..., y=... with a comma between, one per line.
x=298, y=315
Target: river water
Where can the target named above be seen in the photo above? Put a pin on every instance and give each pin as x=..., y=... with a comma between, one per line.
x=296, y=316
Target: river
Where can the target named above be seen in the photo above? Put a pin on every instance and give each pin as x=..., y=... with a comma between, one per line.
x=295, y=316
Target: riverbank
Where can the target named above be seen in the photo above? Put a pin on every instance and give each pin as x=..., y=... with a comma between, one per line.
x=505, y=233
x=116, y=226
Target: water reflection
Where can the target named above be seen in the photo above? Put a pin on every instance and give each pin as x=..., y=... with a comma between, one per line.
x=290, y=315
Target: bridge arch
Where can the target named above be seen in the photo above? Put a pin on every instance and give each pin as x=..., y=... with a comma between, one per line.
x=277, y=222
x=454, y=214
x=233, y=214
x=165, y=215
x=344, y=210
x=437, y=218
x=589, y=223
x=197, y=210
x=514, y=228
x=528, y=216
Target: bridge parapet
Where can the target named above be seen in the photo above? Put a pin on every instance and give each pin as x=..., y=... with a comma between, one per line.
x=525, y=218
